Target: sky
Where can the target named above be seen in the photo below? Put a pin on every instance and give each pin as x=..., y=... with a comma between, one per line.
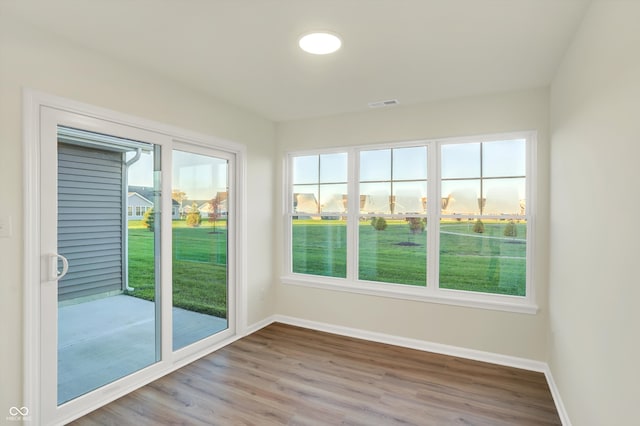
x=502, y=164
x=201, y=177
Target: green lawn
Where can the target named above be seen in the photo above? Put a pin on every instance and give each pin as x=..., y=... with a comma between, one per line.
x=319, y=247
x=199, y=266
x=487, y=262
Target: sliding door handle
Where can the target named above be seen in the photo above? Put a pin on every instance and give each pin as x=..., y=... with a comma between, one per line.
x=54, y=273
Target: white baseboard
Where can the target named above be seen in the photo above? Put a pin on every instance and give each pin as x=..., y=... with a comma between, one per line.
x=421, y=345
x=258, y=325
x=493, y=358
x=555, y=392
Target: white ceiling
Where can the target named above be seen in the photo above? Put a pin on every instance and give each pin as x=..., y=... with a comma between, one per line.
x=245, y=51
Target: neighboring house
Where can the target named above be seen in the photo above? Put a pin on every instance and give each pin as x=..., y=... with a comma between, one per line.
x=199, y=205
x=207, y=207
x=175, y=209
x=137, y=206
x=188, y=207
x=222, y=204
x=305, y=203
x=140, y=199
x=218, y=206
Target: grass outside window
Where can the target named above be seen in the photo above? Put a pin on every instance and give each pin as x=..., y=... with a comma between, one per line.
x=199, y=266
x=487, y=262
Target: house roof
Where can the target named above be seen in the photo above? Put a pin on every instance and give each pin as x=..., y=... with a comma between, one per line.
x=131, y=194
x=147, y=193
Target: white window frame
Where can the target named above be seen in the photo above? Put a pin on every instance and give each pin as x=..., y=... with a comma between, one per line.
x=431, y=292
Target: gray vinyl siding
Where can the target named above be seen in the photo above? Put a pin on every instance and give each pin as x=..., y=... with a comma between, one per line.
x=90, y=220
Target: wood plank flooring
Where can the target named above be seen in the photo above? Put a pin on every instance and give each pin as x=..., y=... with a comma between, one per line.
x=285, y=375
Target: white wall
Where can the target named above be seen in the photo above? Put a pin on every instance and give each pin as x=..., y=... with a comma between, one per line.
x=42, y=62
x=520, y=335
x=595, y=231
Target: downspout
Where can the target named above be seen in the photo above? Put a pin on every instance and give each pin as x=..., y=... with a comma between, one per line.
x=126, y=218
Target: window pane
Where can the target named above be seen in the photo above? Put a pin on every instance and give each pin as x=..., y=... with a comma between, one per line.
x=333, y=168
x=410, y=163
x=461, y=196
x=107, y=328
x=305, y=199
x=504, y=196
x=319, y=246
x=393, y=251
x=504, y=158
x=461, y=160
x=333, y=198
x=375, y=198
x=199, y=247
x=410, y=197
x=483, y=256
x=375, y=165
x=305, y=169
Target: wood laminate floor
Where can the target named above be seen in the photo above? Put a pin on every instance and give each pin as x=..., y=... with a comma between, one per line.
x=285, y=375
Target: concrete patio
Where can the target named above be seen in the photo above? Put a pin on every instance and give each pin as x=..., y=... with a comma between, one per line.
x=105, y=339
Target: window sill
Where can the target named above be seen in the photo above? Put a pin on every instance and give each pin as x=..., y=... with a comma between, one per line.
x=398, y=291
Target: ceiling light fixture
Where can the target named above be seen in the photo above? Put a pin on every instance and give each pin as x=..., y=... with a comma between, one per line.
x=320, y=43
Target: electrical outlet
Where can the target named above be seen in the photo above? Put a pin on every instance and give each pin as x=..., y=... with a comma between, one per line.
x=5, y=226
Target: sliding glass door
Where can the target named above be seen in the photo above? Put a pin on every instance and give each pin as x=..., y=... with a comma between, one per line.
x=104, y=334
x=200, y=188
x=136, y=271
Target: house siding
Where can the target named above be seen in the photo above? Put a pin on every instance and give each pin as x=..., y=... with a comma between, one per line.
x=90, y=220
x=137, y=206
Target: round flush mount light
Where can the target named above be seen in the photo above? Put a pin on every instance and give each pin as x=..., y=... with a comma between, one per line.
x=320, y=43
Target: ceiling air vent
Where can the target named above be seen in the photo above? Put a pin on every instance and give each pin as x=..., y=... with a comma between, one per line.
x=381, y=104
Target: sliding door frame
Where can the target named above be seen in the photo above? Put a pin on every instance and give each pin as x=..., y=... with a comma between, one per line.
x=37, y=107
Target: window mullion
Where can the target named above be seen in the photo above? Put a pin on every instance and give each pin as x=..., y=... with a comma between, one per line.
x=353, y=219
x=433, y=215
